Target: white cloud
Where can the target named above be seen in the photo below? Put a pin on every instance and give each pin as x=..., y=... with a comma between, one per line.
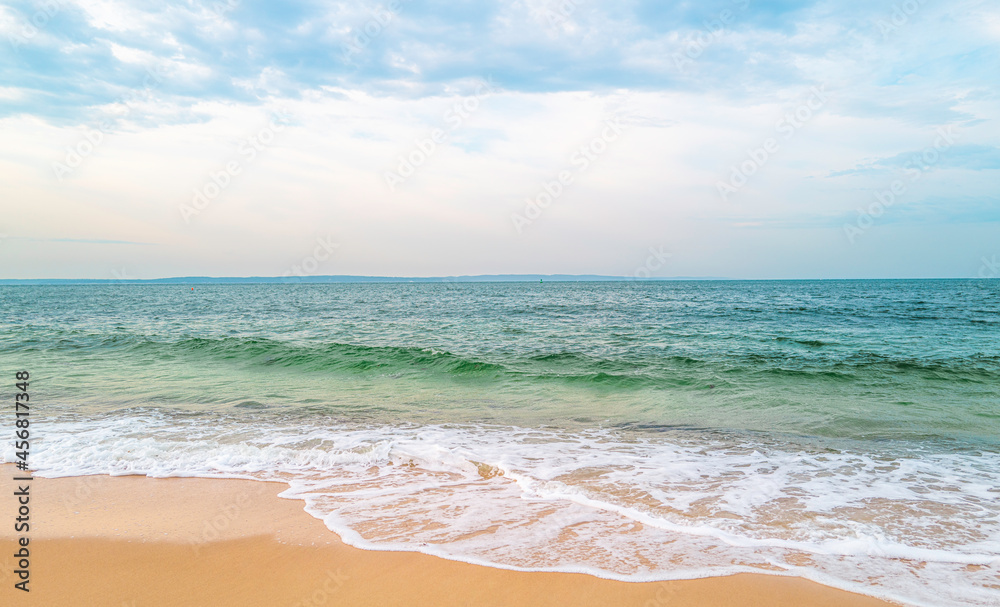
x=116, y=15
x=132, y=55
x=561, y=79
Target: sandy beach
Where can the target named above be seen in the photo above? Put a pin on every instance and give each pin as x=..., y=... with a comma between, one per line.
x=517, y=303
x=136, y=541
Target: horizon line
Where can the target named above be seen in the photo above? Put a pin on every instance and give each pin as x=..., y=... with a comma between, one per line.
x=349, y=278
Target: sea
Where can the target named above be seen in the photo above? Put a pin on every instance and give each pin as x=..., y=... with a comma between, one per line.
x=847, y=432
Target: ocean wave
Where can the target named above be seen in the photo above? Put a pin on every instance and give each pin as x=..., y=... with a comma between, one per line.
x=903, y=522
x=639, y=368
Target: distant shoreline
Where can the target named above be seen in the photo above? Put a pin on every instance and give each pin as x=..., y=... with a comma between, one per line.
x=520, y=278
x=188, y=280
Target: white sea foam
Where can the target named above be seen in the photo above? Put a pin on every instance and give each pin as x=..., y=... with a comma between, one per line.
x=910, y=525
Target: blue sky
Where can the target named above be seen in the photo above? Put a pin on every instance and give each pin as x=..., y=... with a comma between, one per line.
x=736, y=138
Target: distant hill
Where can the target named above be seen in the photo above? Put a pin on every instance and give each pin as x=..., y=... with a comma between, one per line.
x=221, y=280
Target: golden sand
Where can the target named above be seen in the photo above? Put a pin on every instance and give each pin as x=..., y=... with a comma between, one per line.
x=138, y=542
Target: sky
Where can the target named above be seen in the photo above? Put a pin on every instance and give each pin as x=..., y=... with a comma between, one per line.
x=726, y=138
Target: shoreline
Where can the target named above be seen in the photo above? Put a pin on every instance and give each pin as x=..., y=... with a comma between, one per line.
x=135, y=541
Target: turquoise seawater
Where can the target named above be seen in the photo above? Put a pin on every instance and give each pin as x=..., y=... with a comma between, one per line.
x=847, y=431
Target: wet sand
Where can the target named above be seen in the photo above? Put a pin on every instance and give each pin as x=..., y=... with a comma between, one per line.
x=135, y=541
